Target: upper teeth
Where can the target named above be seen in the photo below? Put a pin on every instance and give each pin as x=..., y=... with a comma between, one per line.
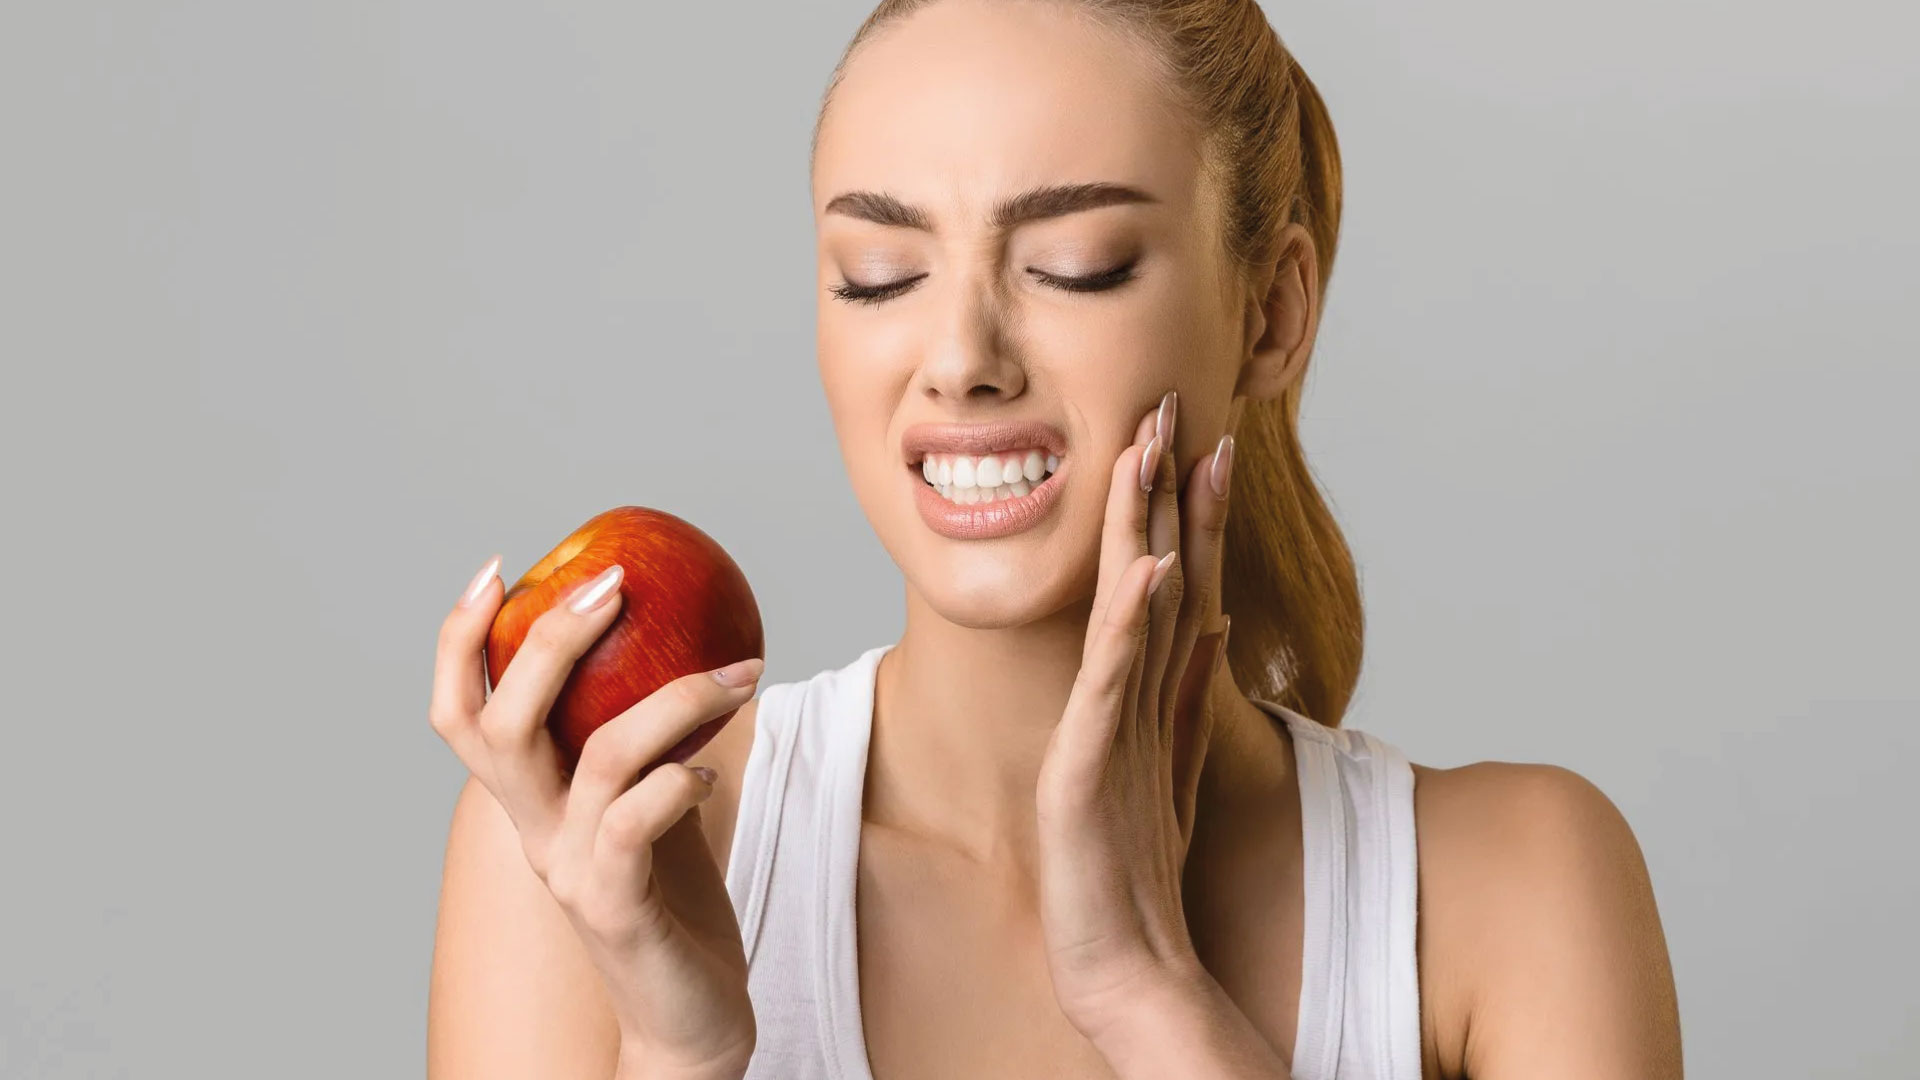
x=966, y=479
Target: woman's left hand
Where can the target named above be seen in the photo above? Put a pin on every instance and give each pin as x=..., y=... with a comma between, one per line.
x=1117, y=788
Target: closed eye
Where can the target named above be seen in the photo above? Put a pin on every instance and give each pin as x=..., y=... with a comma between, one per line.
x=873, y=294
x=1105, y=279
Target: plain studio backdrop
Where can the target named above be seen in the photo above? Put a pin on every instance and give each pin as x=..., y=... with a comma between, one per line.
x=306, y=309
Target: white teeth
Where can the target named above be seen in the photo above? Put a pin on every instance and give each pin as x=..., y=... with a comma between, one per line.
x=970, y=480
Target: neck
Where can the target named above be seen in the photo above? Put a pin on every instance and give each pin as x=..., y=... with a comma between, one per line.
x=962, y=720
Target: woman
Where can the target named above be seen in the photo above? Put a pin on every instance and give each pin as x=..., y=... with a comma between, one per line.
x=1072, y=257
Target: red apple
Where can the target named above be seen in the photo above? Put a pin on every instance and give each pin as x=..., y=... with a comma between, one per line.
x=685, y=607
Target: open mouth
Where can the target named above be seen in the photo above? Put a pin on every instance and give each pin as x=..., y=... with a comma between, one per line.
x=988, y=480
x=968, y=480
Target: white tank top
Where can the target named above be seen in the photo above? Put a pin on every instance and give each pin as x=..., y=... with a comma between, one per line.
x=791, y=875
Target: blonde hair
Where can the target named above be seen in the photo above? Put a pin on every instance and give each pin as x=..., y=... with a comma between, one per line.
x=1288, y=578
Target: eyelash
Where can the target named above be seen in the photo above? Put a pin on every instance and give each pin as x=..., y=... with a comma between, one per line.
x=874, y=294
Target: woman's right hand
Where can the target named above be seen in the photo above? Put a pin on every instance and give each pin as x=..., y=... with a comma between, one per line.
x=626, y=861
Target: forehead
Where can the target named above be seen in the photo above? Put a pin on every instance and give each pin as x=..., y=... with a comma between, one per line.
x=966, y=100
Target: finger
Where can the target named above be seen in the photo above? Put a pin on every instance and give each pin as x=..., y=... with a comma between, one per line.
x=1162, y=538
x=1148, y=426
x=1095, y=706
x=619, y=752
x=1203, y=525
x=1123, y=534
x=623, y=844
x=1192, y=731
x=459, y=671
x=514, y=722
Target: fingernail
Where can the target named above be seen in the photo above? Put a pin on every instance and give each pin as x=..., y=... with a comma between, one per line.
x=1160, y=571
x=480, y=582
x=1163, y=424
x=1150, y=463
x=705, y=773
x=595, y=592
x=740, y=673
x=1222, y=469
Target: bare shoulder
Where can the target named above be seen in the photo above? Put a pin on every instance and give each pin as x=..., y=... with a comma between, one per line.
x=726, y=754
x=512, y=992
x=1540, y=941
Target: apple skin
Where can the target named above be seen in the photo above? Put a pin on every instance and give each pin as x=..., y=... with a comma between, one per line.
x=685, y=607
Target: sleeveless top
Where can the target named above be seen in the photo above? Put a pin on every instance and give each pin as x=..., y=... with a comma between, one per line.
x=796, y=843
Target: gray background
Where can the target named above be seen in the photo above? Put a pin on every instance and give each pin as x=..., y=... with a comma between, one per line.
x=309, y=308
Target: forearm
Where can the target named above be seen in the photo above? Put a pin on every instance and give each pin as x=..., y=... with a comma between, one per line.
x=1188, y=1028
x=634, y=1070
x=636, y=1064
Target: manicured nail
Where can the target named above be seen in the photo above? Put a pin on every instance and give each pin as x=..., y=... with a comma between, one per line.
x=705, y=773
x=1160, y=571
x=595, y=592
x=1150, y=463
x=1163, y=424
x=480, y=582
x=1222, y=469
x=740, y=673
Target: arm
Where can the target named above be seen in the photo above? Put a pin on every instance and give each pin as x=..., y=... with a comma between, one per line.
x=512, y=992
x=1536, y=894
x=1541, y=947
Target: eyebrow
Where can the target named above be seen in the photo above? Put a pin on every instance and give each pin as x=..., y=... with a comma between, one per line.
x=1032, y=205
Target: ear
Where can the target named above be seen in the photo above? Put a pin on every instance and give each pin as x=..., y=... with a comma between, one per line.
x=1282, y=317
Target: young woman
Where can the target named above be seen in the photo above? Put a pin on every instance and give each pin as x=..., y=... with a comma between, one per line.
x=1092, y=815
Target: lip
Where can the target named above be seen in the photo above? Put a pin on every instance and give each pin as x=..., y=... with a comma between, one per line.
x=923, y=439
x=984, y=521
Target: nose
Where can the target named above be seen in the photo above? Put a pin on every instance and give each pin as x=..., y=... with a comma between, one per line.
x=969, y=358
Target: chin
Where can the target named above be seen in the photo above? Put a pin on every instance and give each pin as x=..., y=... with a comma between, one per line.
x=997, y=587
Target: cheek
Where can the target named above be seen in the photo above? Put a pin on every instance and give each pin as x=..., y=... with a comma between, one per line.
x=860, y=386
x=1113, y=357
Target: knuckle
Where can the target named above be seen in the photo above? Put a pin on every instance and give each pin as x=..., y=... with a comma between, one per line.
x=548, y=634
x=1202, y=593
x=675, y=787
x=446, y=723
x=626, y=832
x=602, y=756
x=687, y=695
x=1175, y=588
x=686, y=786
x=540, y=860
x=504, y=729
x=496, y=727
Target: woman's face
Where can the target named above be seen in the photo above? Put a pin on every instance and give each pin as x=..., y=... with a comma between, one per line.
x=1019, y=255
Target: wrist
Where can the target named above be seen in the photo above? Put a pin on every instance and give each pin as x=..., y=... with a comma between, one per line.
x=1183, y=1024
x=1153, y=1007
